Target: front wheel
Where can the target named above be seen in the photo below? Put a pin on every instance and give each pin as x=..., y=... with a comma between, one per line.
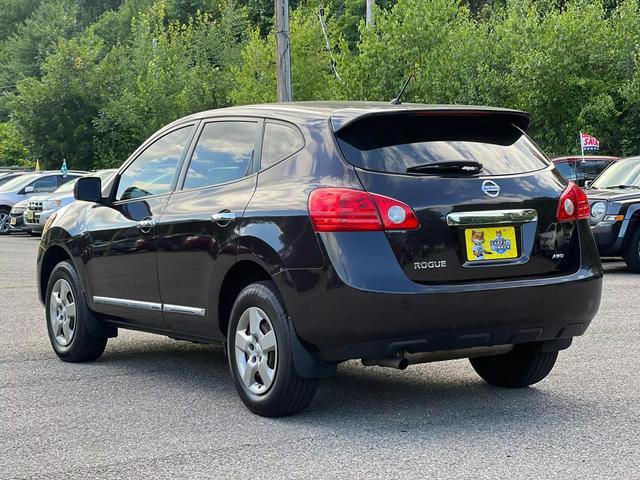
x=5, y=221
x=525, y=365
x=261, y=356
x=632, y=252
x=67, y=317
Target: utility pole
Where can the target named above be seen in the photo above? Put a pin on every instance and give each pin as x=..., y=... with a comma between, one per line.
x=369, y=17
x=283, y=51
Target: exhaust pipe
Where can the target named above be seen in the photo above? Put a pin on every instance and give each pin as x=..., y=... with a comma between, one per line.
x=400, y=362
x=403, y=359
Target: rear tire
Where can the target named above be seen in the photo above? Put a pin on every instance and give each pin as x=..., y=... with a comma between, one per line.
x=67, y=317
x=632, y=252
x=5, y=219
x=259, y=341
x=525, y=365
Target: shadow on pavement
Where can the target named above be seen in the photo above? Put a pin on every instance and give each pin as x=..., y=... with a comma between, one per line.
x=440, y=394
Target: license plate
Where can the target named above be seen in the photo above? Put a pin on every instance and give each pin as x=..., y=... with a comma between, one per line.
x=488, y=244
x=30, y=215
x=13, y=221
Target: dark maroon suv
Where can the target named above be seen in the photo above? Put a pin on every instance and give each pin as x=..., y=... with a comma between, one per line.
x=306, y=234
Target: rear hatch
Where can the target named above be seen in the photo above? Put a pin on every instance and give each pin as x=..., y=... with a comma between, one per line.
x=491, y=214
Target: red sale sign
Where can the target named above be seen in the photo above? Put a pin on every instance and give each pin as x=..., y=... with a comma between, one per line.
x=588, y=142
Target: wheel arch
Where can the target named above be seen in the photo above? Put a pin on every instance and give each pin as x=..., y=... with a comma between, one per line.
x=245, y=272
x=634, y=224
x=240, y=275
x=51, y=257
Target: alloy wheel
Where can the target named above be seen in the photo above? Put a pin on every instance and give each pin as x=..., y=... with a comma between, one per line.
x=4, y=222
x=256, y=350
x=62, y=313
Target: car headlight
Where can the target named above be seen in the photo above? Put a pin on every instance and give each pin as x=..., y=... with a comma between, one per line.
x=598, y=211
x=51, y=204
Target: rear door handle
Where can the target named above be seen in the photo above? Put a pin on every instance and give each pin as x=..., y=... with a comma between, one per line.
x=223, y=217
x=146, y=225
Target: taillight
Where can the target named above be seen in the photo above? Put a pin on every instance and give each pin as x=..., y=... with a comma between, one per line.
x=347, y=210
x=573, y=205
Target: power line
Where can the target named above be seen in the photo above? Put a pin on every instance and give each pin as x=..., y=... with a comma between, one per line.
x=326, y=40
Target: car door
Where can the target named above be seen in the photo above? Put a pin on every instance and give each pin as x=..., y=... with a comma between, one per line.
x=121, y=268
x=197, y=229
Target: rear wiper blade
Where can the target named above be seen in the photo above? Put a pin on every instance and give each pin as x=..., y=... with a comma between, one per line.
x=458, y=166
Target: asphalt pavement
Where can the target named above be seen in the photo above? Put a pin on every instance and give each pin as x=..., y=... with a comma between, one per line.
x=157, y=408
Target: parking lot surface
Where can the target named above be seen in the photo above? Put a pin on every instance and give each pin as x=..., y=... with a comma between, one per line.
x=152, y=407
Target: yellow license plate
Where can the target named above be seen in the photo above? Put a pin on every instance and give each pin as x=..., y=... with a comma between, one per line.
x=487, y=244
x=30, y=215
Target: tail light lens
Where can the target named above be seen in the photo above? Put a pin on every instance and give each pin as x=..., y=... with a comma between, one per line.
x=347, y=210
x=573, y=204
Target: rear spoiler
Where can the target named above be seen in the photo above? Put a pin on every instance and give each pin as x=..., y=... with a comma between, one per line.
x=349, y=116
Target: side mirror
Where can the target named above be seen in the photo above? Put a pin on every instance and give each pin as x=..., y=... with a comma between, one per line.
x=88, y=189
x=29, y=189
x=588, y=183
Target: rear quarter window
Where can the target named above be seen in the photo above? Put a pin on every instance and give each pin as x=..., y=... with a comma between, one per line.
x=394, y=143
x=280, y=141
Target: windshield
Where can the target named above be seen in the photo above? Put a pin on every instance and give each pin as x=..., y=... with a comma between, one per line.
x=103, y=175
x=67, y=187
x=623, y=172
x=18, y=183
x=398, y=144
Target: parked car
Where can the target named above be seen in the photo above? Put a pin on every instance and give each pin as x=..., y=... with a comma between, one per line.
x=16, y=220
x=6, y=176
x=41, y=207
x=614, y=198
x=583, y=170
x=306, y=234
x=24, y=187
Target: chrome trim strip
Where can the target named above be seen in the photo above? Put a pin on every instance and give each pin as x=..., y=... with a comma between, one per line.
x=200, y=312
x=491, y=217
x=122, y=302
x=156, y=307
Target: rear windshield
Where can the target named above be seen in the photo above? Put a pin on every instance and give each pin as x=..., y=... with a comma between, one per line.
x=394, y=143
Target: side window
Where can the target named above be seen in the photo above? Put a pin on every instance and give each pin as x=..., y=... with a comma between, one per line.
x=223, y=153
x=153, y=171
x=279, y=142
x=567, y=169
x=62, y=180
x=45, y=184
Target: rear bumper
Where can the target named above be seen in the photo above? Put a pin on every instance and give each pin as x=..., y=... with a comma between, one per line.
x=337, y=317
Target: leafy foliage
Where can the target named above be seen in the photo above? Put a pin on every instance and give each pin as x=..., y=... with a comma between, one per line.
x=12, y=151
x=88, y=80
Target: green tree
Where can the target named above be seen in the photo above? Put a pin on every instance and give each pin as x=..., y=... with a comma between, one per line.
x=312, y=76
x=12, y=150
x=54, y=114
x=165, y=72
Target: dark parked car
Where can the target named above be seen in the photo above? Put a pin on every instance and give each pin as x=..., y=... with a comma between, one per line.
x=615, y=211
x=307, y=234
x=583, y=170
